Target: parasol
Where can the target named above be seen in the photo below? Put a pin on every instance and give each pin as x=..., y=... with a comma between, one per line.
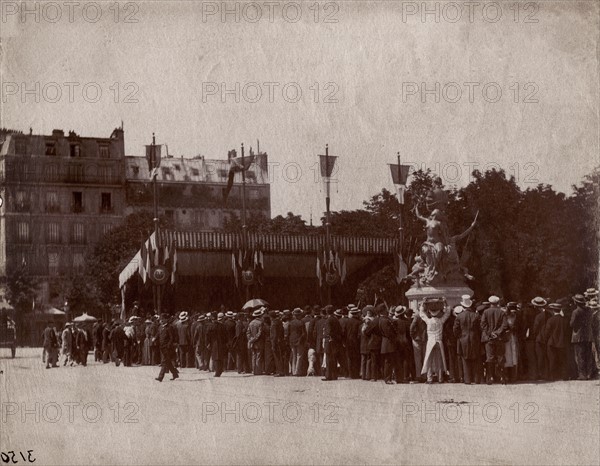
x=255, y=303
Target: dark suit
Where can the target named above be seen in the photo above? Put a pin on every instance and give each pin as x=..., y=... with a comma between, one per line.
x=166, y=342
x=230, y=329
x=352, y=339
x=255, y=337
x=374, y=346
x=541, y=353
x=467, y=330
x=493, y=328
x=581, y=323
x=389, y=356
x=241, y=347
x=556, y=337
x=332, y=337
x=298, y=338
x=405, y=363
x=277, y=344
x=217, y=342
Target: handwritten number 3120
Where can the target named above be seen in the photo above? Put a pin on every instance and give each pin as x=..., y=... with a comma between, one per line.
x=9, y=457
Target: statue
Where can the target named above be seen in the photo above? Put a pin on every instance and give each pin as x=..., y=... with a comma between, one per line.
x=442, y=264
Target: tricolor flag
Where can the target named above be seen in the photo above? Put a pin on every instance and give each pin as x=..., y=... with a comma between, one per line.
x=143, y=264
x=236, y=165
x=399, y=177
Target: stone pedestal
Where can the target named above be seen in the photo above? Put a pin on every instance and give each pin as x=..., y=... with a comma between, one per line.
x=452, y=294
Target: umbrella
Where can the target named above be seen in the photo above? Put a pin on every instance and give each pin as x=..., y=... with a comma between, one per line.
x=85, y=318
x=255, y=303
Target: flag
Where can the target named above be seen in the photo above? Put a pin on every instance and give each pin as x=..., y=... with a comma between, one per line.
x=153, y=156
x=236, y=165
x=123, y=315
x=234, y=268
x=143, y=264
x=399, y=265
x=327, y=165
x=173, y=266
x=399, y=177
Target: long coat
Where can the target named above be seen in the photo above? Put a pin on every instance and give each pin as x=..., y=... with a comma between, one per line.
x=467, y=330
x=254, y=334
x=217, y=341
x=403, y=342
x=297, y=332
x=556, y=332
x=435, y=330
x=388, y=335
x=581, y=323
x=276, y=335
x=493, y=321
x=332, y=334
x=538, y=326
x=352, y=336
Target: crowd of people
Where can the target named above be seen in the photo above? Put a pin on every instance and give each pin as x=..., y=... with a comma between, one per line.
x=487, y=342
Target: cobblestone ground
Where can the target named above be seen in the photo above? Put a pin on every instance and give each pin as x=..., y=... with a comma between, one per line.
x=102, y=414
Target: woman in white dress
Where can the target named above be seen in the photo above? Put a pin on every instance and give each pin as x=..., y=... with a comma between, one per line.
x=435, y=361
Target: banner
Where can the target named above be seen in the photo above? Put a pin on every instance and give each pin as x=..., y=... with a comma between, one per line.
x=399, y=177
x=153, y=156
x=327, y=165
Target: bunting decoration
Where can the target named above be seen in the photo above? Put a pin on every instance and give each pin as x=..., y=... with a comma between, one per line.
x=143, y=265
x=158, y=264
x=236, y=165
x=331, y=266
x=399, y=177
x=248, y=266
x=327, y=165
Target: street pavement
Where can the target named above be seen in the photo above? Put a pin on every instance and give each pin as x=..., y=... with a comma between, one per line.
x=102, y=414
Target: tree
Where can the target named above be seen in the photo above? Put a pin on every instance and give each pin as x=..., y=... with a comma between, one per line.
x=21, y=289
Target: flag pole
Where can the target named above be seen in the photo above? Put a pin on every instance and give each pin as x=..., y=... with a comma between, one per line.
x=156, y=294
x=401, y=203
x=244, y=225
x=327, y=213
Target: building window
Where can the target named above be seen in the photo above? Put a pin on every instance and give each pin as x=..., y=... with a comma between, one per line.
x=195, y=172
x=75, y=173
x=52, y=204
x=78, y=233
x=23, y=232
x=104, y=151
x=75, y=150
x=106, y=203
x=78, y=262
x=107, y=175
x=77, y=202
x=177, y=166
x=53, y=232
x=106, y=227
x=51, y=173
x=136, y=170
x=222, y=173
x=170, y=214
x=22, y=202
x=50, y=148
x=254, y=194
x=53, y=263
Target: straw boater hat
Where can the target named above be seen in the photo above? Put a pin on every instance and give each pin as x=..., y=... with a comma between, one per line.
x=538, y=301
x=257, y=313
x=555, y=307
x=183, y=316
x=512, y=306
x=297, y=312
x=400, y=310
x=579, y=298
x=494, y=299
x=593, y=304
x=229, y=314
x=465, y=301
x=220, y=316
x=338, y=313
x=591, y=292
x=458, y=309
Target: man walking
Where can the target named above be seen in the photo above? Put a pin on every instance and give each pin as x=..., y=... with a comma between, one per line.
x=166, y=343
x=218, y=344
x=254, y=335
x=581, y=323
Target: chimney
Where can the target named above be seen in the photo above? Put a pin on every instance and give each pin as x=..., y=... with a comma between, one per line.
x=58, y=133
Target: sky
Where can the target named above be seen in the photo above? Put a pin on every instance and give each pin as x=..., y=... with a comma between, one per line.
x=510, y=84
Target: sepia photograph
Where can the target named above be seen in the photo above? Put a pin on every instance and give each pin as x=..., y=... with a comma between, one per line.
x=301, y=232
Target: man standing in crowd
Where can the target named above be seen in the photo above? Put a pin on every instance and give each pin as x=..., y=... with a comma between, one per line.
x=418, y=334
x=51, y=345
x=467, y=329
x=229, y=324
x=184, y=340
x=218, y=344
x=493, y=327
x=166, y=343
x=332, y=337
x=352, y=339
x=241, y=344
x=541, y=353
x=297, y=337
x=556, y=338
x=254, y=335
x=581, y=323
x=277, y=342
